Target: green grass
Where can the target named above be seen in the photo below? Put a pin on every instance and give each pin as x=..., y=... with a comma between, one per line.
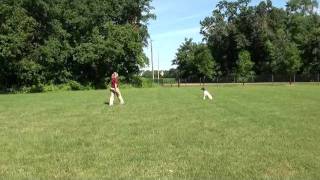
x=251, y=132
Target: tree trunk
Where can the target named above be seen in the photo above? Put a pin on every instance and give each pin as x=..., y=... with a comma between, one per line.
x=290, y=82
x=272, y=78
x=294, y=78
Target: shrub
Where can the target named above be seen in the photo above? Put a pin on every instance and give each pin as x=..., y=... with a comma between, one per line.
x=136, y=81
x=64, y=87
x=75, y=86
x=50, y=88
x=24, y=90
x=141, y=82
x=90, y=87
x=37, y=88
x=147, y=83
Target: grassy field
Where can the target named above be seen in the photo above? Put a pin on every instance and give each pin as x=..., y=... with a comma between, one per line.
x=251, y=132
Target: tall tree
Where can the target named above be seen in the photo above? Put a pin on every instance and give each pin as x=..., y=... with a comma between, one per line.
x=277, y=39
x=244, y=66
x=54, y=41
x=195, y=61
x=204, y=62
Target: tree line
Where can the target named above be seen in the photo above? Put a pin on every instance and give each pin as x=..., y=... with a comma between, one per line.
x=55, y=41
x=246, y=40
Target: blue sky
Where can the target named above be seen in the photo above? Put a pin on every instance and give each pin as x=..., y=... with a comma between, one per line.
x=176, y=20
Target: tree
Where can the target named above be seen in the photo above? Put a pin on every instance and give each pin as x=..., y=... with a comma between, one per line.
x=292, y=61
x=55, y=41
x=204, y=62
x=184, y=59
x=277, y=39
x=284, y=55
x=312, y=52
x=195, y=61
x=244, y=66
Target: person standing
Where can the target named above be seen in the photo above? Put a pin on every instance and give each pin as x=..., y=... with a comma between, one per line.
x=114, y=90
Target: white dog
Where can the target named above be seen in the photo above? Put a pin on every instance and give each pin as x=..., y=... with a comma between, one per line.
x=206, y=94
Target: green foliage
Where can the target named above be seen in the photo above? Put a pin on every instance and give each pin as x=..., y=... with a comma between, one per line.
x=75, y=86
x=278, y=40
x=293, y=59
x=169, y=81
x=147, y=83
x=37, y=88
x=244, y=66
x=284, y=55
x=50, y=88
x=142, y=82
x=204, y=62
x=195, y=60
x=55, y=41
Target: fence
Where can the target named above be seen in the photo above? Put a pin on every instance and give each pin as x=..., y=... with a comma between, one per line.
x=233, y=79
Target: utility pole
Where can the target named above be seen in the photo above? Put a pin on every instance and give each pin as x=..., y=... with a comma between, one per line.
x=152, y=61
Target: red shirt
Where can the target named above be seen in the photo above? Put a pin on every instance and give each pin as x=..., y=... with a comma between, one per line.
x=114, y=83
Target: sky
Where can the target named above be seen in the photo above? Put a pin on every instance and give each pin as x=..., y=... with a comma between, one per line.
x=177, y=20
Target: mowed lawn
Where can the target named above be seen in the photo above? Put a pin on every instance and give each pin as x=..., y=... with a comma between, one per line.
x=250, y=132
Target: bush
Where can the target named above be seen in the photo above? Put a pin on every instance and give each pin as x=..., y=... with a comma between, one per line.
x=50, y=88
x=90, y=87
x=75, y=86
x=23, y=90
x=147, y=83
x=64, y=87
x=37, y=88
x=141, y=82
x=136, y=81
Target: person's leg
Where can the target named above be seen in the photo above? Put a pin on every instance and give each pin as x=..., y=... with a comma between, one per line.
x=111, y=98
x=120, y=97
x=204, y=95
